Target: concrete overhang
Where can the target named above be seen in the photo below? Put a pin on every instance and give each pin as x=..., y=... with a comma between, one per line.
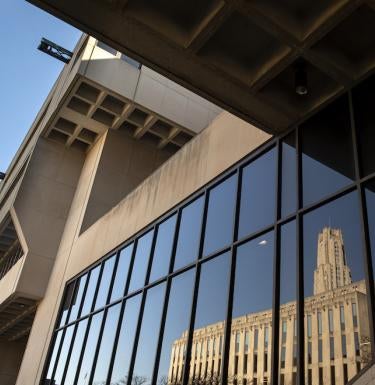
x=240, y=54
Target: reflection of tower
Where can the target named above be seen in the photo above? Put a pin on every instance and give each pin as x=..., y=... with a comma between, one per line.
x=331, y=270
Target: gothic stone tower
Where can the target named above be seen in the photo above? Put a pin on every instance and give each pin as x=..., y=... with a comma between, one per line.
x=331, y=271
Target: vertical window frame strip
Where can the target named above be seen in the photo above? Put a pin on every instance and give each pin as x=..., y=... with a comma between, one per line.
x=300, y=305
x=155, y=369
x=231, y=280
x=186, y=366
x=365, y=235
x=276, y=268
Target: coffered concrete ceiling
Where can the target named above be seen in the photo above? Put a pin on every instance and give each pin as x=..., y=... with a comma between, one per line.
x=240, y=54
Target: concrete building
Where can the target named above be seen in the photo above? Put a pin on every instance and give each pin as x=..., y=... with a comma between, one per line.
x=136, y=212
x=336, y=333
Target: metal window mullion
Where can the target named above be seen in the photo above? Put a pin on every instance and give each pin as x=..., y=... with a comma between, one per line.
x=166, y=300
x=98, y=284
x=300, y=305
x=69, y=352
x=276, y=270
x=98, y=345
x=365, y=235
x=114, y=271
x=189, y=340
x=58, y=355
x=155, y=231
x=231, y=282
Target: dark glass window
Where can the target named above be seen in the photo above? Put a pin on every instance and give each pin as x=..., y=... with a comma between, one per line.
x=220, y=216
x=327, y=152
x=258, y=194
x=90, y=291
x=370, y=202
x=125, y=342
x=363, y=105
x=66, y=304
x=77, y=298
x=177, y=322
x=289, y=175
x=121, y=274
x=76, y=352
x=189, y=233
x=148, y=338
x=83, y=375
x=105, y=283
x=106, y=345
x=142, y=256
x=163, y=248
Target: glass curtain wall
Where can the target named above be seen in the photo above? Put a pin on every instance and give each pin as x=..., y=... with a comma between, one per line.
x=263, y=276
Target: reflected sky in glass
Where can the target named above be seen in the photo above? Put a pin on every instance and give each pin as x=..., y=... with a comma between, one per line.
x=63, y=355
x=189, y=233
x=149, y=334
x=254, y=272
x=105, y=282
x=289, y=175
x=88, y=355
x=125, y=343
x=163, y=248
x=76, y=352
x=258, y=194
x=54, y=354
x=90, y=291
x=177, y=321
x=327, y=152
x=213, y=291
x=142, y=256
x=78, y=293
x=122, y=270
x=220, y=216
x=106, y=345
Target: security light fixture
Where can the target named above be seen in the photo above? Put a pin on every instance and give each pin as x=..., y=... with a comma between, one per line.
x=300, y=79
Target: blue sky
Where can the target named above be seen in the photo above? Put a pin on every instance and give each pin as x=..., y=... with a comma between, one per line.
x=26, y=74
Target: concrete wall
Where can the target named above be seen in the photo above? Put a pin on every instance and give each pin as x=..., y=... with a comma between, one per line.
x=42, y=207
x=11, y=354
x=124, y=164
x=227, y=140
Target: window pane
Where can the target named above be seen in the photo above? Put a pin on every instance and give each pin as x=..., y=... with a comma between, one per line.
x=90, y=292
x=370, y=201
x=63, y=355
x=142, y=256
x=52, y=360
x=163, y=249
x=149, y=334
x=125, y=343
x=333, y=273
x=258, y=194
x=121, y=272
x=327, y=153
x=88, y=355
x=363, y=103
x=66, y=304
x=77, y=299
x=252, y=310
x=288, y=297
x=105, y=282
x=220, y=216
x=176, y=325
x=189, y=233
x=106, y=345
x=76, y=352
x=210, y=315
x=289, y=175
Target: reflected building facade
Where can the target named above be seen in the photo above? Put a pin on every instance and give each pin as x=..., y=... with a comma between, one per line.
x=337, y=332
